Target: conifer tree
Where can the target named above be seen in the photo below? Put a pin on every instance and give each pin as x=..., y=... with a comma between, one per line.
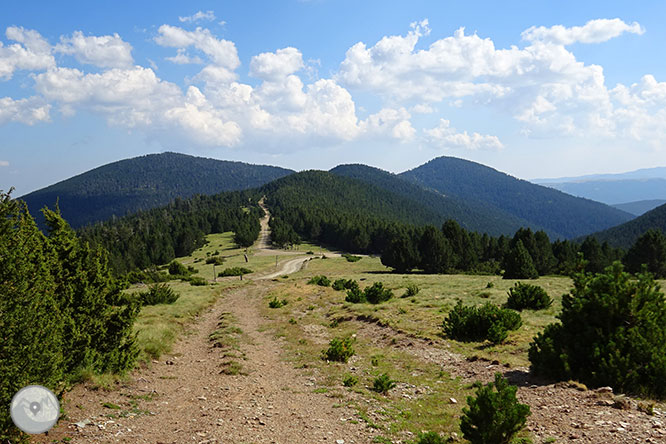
x=518, y=264
x=31, y=331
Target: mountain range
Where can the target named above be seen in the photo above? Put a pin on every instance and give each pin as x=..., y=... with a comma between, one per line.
x=479, y=198
x=145, y=182
x=634, y=191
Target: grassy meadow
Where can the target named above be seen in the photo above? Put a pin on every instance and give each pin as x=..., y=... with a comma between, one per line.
x=426, y=396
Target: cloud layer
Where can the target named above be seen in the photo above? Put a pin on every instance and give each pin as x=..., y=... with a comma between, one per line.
x=541, y=86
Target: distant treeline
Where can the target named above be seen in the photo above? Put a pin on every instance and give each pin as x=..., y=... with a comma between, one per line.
x=159, y=235
x=450, y=248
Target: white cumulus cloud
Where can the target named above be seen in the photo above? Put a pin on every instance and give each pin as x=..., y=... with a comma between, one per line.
x=594, y=31
x=446, y=136
x=221, y=53
x=198, y=16
x=394, y=123
x=28, y=111
x=106, y=51
x=276, y=65
x=182, y=58
x=30, y=52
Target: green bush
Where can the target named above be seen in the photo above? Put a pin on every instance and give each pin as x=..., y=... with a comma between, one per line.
x=158, y=294
x=351, y=257
x=355, y=296
x=344, y=284
x=612, y=331
x=320, y=280
x=178, y=269
x=527, y=296
x=377, y=293
x=350, y=381
x=198, y=281
x=277, y=303
x=61, y=309
x=430, y=438
x=234, y=271
x=382, y=384
x=494, y=414
x=340, y=349
x=412, y=290
x=470, y=323
x=215, y=260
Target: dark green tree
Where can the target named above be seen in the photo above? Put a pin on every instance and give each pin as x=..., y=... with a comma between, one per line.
x=494, y=415
x=31, y=322
x=435, y=251
x=518, y=263
x=612, y=331
x=649, y=250
x=400, y=253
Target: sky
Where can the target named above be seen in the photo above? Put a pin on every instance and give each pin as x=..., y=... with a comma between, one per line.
x=533, y=88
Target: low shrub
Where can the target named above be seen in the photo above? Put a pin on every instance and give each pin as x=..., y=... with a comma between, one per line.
x=377, y=293
x=234, y=271
x=320, y=280
x=412, y=290
x=351, y=257
x=158, y=294
x=344, y=284
x=215, y=260
x=198, y=281
x=340, y=349
x=527, y=296
x=350, y=381
x=494, y=414
x=176, y=268
x=383, y=383
x=355, y=295
x=277, y=303
x=470, y=323
x=430, y=438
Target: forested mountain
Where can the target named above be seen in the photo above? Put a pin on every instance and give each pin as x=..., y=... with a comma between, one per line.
x=470, y=215
x=626, y=234
x=159, y=235
x=145, y=182
x=327, y=192
x=640, y=207
x=551, y=209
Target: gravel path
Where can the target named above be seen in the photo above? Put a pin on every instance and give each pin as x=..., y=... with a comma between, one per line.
x=184, y=397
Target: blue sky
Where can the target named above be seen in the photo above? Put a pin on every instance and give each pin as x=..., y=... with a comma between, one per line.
x=532, y=88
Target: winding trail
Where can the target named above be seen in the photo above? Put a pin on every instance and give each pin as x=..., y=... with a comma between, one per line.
x=264, y=248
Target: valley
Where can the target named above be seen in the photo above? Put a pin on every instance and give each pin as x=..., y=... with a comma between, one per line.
x=240, y=371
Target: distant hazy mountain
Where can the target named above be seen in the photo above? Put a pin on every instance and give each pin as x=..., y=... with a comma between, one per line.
x=644, y=173
x=626, y=234
x=470, y=215
x=140, y=183
x=640, y=207
x=542, y=206
x=612, y=189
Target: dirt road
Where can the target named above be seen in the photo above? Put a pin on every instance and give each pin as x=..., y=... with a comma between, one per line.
x=185, y=398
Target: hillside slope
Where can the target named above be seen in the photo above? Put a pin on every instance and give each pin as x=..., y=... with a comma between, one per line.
x=145, y=182
x=640, y=207
x=626, y=234
x=325, y=192
x=470, y=215
x=555, y=211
